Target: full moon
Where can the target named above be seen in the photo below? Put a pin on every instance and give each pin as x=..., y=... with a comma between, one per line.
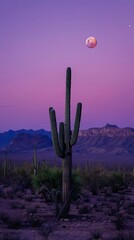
x=91, y=42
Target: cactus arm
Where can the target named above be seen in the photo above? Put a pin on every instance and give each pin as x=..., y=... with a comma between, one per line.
x=55, y=133
x=76, y=124
x=67, y=106
x=61, y=136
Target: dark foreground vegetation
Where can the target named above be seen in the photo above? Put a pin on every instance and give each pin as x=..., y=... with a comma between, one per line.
x=102, y=203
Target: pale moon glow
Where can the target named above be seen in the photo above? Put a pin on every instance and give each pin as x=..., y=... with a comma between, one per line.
x=91, y=42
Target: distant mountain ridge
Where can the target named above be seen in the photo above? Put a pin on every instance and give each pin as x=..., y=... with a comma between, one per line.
x=109, y=131
x=7, y=137
x=108, y=139
x=24, y=142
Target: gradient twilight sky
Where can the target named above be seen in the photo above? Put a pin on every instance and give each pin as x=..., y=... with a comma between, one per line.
x=39, y=39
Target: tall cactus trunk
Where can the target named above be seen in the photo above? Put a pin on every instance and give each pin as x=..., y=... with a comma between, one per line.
x=67, y=160
x=65, y=140
x=66, y=178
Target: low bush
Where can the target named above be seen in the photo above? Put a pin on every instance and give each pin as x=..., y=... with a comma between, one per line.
x=98, y=178
x=120, y=221
x=11, y=221
x=96, y=235
x=124, y=236
x=84, y=209
x=51, y=179
x=48, y=177
x=8, y=236
x=17, y=205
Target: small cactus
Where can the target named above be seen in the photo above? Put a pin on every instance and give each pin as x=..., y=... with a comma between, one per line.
x=5, y=163
x=64, y=141
x=35, y=164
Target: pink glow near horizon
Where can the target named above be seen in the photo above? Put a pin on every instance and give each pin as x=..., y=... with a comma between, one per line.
x=40, y=39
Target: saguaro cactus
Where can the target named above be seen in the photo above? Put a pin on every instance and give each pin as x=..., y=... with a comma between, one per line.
x=66, y=138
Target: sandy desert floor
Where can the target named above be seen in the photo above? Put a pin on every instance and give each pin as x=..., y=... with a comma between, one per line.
x=106, y=216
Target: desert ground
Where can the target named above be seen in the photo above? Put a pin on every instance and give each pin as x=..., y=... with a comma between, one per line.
x=98, y=212
x=93, y=217
x=48, y=154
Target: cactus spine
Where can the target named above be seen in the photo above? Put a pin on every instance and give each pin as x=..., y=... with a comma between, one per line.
x=64, y=141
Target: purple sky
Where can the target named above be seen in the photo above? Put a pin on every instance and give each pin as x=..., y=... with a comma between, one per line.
x=39, y=39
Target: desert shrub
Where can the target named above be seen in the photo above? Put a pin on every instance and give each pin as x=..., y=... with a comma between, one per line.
x=32, y=210
x=117, y=181
x=8, y=236
x=19, y=194
x=48, y=182
x=11, y=221
x=49, y=177
x=34, y=221
x=4, y=216
x=120, y=221
x=96, y=235
x=28, y=198
x=19, y=175
x=5, y=170
x=22, y=178
x=8, y=192
x=94, y=178
x=46, y=229
x=124, y=236
x=14, y=222
x=84, y=209
x=76, y=185
x=113, y=209
x=17, y=205
x=98, y=178
x=130, y=208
